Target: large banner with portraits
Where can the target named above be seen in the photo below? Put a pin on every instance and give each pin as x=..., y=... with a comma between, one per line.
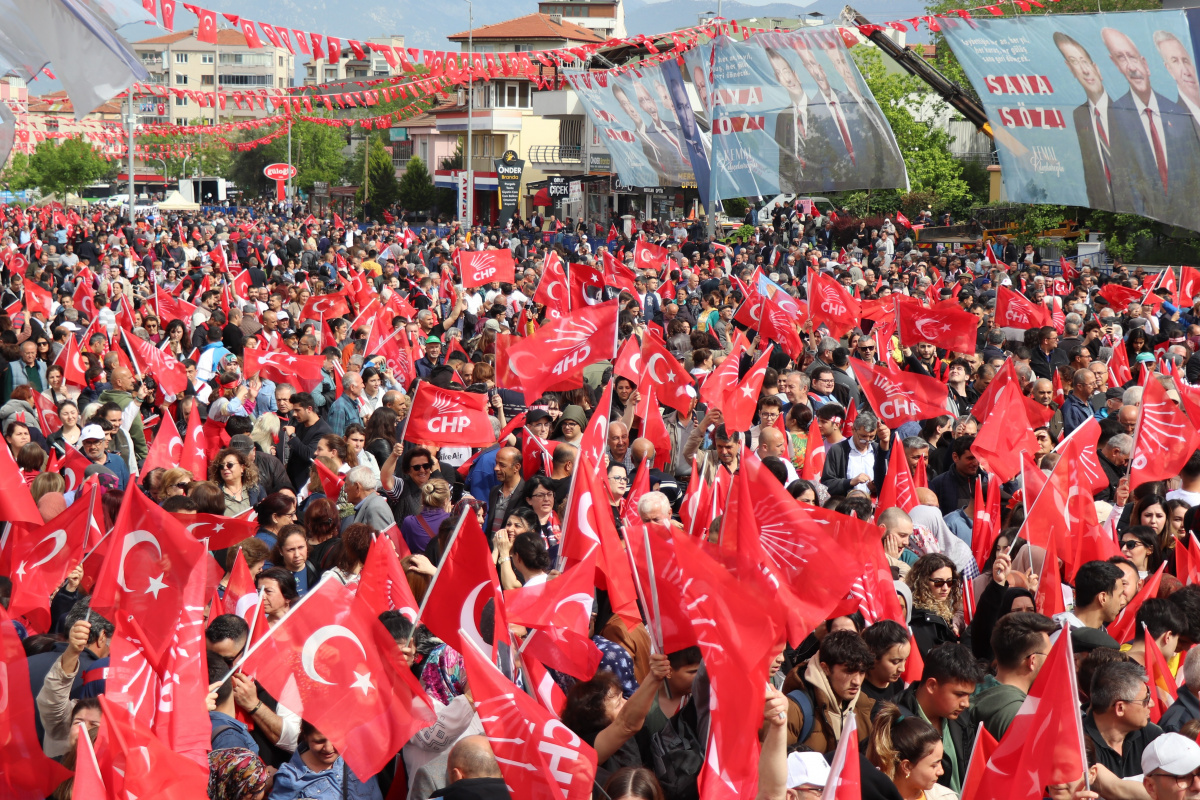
x=791, y=113
x=781, y=112
x=1098, y=110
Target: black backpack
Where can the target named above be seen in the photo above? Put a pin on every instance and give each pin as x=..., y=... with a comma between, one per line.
x=678, y=755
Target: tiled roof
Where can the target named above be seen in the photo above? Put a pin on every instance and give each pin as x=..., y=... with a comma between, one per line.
x=226, y=37
x=532, y=26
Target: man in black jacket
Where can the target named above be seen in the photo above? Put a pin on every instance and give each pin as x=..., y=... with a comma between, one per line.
x=472, y=772
x=303, y=436
x=955, y=488
x=940, y=697
x=856, y=463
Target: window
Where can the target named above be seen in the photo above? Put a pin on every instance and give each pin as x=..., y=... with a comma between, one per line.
x=248, y=59
x=181, y=120
x=181, y=58
x=425, y=151
x=331, y=73
x=207, y=58
x=281, y=61
x=357, y=73
x=401, y=153
x=311, y=71
x=181, y=101
x=513, y=95
x=280, y=83
x=206, y=80
x=180, y=80
x=247, y=80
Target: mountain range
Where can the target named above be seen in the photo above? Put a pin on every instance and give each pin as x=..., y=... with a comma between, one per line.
x=362, y=20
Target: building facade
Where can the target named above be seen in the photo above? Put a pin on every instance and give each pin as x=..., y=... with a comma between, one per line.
x=605, y=17
x=181, y=61
x=350, y=68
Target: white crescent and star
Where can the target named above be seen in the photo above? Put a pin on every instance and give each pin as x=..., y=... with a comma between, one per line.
x=584, y=600
x=650, y=368
x=585, y=525
x=60, y=540
x=175, y=441
x=466, y=618
x=132, y=539
x=309, y=653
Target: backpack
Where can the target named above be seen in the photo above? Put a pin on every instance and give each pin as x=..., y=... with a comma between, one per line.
x=801, y=698
x=678, y=755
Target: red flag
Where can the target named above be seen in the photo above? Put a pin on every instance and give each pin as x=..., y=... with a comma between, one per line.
x=1119, y=372
x=38, y=300
x=672, y=626
x=1069, y=271
x=1044, y=743
x=903, y=220
x=17, y=504
x=1005, y=438
x=654, y=427
x=481, y=267
x=448, y=418
x=1164, y=439
x=252, y=40
x=724, y=379
x=1037, y=413
x=1124, y=627
x=332, y=662
x=331, y=482
x=382, y=584
x=1119, y=297
x=151, y=558
x=220, y=531
x=89, y=783
x=1159, y=674
x=206, y=27
x=561, y=349
x=166, y=449
x=1189, y=284
x=322, y=307
x=899, y=397
x=1014, y=310
x=539, y=757
x=1049, y=599
x=671, y=381
x=71, y=360
x=944, y=326
x=464, y=583
x=985, y=745
x=168, y=371
x=564, y=602
x=779, y=325
x=72, y=468
x=536, y=454
x=194, y=457
x=814, y=454
x=47, y=413
x=594, y=443
x=619, y=276
x=44, y=555
x=544, y=688
x=649, y=256
x=845, y=780
x=629, y=360
x=741, y=403
x=25, y=771
x=552, y=288
x=831, y=305
x=986, y=524
x=898, y=488
x=136, y=763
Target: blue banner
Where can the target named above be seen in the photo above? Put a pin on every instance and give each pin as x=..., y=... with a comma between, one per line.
x=1098, y=110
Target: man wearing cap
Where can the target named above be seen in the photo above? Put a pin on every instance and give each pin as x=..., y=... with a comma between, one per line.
x=807, y=774
x=95, y=447
x=1171, y=768
x=432, y=357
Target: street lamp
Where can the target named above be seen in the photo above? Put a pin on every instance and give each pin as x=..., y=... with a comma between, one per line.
x=470, y=113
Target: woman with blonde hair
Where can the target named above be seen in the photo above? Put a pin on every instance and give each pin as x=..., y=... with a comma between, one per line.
x=47, y=483
x=937, y=601
x=909, y=751
x=265, y=432
x=174, y=481
x=420, y=528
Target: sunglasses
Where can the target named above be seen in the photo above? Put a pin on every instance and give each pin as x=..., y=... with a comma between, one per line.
x=230, y=465
x=940, y=583
x=424, y=466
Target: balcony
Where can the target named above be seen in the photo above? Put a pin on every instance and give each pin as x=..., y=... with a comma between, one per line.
x=556, y=154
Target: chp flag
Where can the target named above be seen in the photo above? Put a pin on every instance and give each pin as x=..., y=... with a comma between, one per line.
x=448, y=418
x=481, y=267
x=561, y=349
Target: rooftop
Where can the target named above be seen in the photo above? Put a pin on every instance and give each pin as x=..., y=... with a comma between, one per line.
x=531, y=26
x=226, y=37
x=60, y=102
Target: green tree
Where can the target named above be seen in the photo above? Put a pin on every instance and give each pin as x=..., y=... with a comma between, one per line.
x=66, y=166
x=380, y=173
x=17, y=176
x=416, y=187
x=935, y=176
x=316, y=155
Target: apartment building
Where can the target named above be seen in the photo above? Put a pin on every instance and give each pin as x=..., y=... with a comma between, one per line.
x=350, y=68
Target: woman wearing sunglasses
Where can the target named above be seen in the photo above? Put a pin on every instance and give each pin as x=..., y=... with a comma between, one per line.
x=937, y=601
x=1140, y=545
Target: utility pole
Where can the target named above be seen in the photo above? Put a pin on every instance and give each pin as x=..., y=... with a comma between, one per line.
x=131, y=120
x=289, y=181
x=470, y=113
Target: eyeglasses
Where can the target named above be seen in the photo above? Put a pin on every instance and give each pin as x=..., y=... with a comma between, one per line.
x=940, y=583
x=1146, y=701
x=618, y=478
x=230, y=465
x=866, y=347
x=1132, y=544
x=542, y=495
x=1181, y=781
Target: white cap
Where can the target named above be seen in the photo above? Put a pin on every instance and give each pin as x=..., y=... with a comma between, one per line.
x=807, y=769
x=91, y=432
x=1170, y=753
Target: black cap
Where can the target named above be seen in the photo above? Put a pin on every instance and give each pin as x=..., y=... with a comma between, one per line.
x=1114, y=393
x=536, y=414
x=1084, y=640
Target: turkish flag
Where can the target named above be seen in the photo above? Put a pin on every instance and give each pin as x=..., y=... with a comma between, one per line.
x=285, y=367
x=273, y=35
x=652, y=549
x=654, y=429
x=168, y=14
x=552, y=289
x=1119, y=371
x=594, y=443
x=1161, y=680
x=194, y=457
x=71, y=360
x=564, y=602
x=1014, y=310
x=539, y=756
x=25, y=771
x=899, y=397
x=629, y=361
x=1044, y=743
x=1124, y=627
x=1165, y=439
x=206, y=23
x=481, y=267
x=331, y=482
x=166, y=449
x=134, y=762
x=321, y=307
x=1069, y=271
x=170, y=374
x=986, y=523
x=814, y=455
x=946, y=327
x=47, y=413
x=44, y=555
x=149, y=562
x=220, y=531
x=16, y=505
x=88, y=780
x=248, y=30
x=778, y=325
x=71, y=467
x=649, y=256
x=1119, y=297
x=544, y=688
x=464, y=584
x=671, y=381
x=1005, y=438
x=741, y=403
x=38, y=300
x=585, y=285
x=561, y=349
x=448, y=418
x=1037, y=413
x=333, y=663
x=845, y=779
x=831, y=305
x=724, y=379
x=619, y=276
x=898, y=488
x=536, y=454
x=1189, y=285
x=382, y=584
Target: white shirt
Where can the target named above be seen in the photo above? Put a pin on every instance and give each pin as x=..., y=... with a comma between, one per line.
x=860, y=463
x=1100, y=107
x=1146, y=122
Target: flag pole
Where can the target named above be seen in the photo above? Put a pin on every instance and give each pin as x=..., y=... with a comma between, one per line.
x=408, y=416
x=433, y=582
x=656, y=620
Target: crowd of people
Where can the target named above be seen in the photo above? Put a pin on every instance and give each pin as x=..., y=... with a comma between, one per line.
x=322, y=470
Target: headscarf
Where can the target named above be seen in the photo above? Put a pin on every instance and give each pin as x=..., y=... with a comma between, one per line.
x=51, y=505
x=905, y=592
x=235, y=773
x=1010, y=596
x=443, y=675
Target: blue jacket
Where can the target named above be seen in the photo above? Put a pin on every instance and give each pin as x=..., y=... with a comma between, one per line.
x=295, y=780
x=1075, y=412
x=228, y=732
x=342, y=414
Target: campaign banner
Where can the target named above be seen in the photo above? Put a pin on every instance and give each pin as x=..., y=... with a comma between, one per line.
x=791, y=113
x=1097, y=110
x=635, y=115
